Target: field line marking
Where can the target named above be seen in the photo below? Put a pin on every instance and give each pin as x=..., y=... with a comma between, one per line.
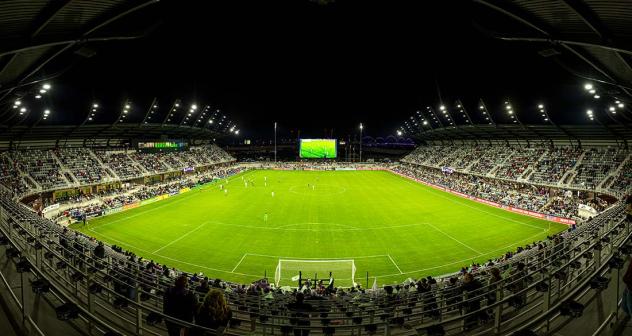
x=181, y=237
x=394, y=263
x=173, y=259
x=459, y=261
x=327, y=259
x=143, y=212
x=239, y=263
x=441, y=194
x=350, y=227
x=456, y=240
x=182, y=198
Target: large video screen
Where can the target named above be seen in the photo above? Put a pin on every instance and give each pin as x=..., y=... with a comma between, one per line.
x=318, y=149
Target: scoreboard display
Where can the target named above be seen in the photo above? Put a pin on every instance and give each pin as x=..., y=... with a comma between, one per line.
x=150, y=146
x=318, y=149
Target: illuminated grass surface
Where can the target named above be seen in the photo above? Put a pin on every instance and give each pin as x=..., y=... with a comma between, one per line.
x=392, y=227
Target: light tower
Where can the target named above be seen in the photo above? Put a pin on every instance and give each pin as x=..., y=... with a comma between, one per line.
x=361, y=128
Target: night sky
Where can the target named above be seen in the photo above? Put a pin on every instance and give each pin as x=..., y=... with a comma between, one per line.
x=317, y=68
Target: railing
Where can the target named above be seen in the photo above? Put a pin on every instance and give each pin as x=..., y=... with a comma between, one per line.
x=552, y=275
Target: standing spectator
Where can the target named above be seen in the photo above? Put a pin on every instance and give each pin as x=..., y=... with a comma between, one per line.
x=179, y=302
x=494, y=281
x=471, y=287
x=214, y=312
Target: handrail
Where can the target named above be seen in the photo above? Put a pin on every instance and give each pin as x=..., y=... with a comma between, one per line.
x=572, y=293
x=129, y=301
x=548, y=255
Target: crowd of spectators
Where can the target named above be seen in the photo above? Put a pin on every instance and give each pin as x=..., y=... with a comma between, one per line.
x=519, y=195
x=120, y=163
x=83, y=165
x=623, y=181
x=515, y=194
x=521, y=159
x=554, y=163
x=42, y=166
x=489, y=158
x=118, y=197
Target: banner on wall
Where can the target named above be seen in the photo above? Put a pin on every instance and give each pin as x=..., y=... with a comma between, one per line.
x=113, y=210
x=51, y=208
x=131, y=206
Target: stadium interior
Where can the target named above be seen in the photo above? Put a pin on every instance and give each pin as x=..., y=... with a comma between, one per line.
x=167, y=217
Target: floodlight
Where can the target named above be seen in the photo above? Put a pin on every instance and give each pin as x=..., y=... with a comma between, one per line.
x=38, y=96
x=588, y=86
x=46, y=86
x=541, y=106
x=621, y=105
x=442, y=107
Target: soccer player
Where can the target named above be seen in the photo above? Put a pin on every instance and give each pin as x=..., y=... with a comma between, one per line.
x=225, y=192
x=265, y=217
x=273, y=194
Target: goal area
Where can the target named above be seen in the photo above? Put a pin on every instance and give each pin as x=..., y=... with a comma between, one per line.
x=290, y=271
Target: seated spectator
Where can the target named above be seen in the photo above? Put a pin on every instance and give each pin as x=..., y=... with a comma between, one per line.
x=180, y=303
x=99, y=250
x=214, y=312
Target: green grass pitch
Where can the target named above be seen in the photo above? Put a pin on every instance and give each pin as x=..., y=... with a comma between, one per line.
x=391, y=227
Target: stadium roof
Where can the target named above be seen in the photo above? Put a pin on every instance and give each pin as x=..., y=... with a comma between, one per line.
x=42, y=39
x=591, y=39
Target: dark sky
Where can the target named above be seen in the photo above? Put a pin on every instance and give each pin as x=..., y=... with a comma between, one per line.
x=314, y=67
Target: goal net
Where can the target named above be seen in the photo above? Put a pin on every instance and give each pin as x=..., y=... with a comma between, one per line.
x=288, y=270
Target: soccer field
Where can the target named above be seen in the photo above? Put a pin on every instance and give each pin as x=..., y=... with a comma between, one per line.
x=389, y=226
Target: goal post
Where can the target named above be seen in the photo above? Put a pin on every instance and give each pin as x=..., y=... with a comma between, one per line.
x=342, y=270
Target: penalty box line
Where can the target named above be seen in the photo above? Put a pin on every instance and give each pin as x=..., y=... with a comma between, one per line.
x=318, y=259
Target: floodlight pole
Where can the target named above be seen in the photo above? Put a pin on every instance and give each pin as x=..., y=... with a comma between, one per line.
x=361, y=128
x=275, y=145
